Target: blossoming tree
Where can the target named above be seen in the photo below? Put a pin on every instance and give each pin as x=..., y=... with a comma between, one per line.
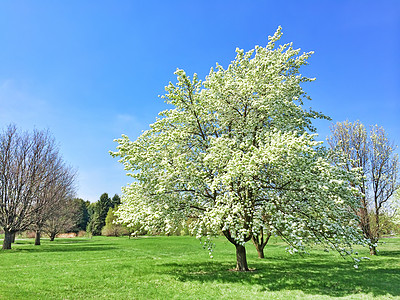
x=237, y=155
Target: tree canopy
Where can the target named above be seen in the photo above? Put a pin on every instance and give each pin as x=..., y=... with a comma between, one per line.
x=236, y=154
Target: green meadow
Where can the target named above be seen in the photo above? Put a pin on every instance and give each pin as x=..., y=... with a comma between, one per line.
x=177, y=267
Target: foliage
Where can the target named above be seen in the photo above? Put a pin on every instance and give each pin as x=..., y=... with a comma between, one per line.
x=111, y=217
x=98, y=218
x=395, y=207
x=83, y=217
x=174, y=268
x=115, y=201
x=112, y=229
x=91, y=208
x=102, y=207
x=95, y=225
x=387, y=224
x=236, y=154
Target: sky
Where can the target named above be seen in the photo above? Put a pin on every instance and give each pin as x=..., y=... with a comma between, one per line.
x=89, y=71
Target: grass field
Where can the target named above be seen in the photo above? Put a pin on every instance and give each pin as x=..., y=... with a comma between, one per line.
x=178, y=268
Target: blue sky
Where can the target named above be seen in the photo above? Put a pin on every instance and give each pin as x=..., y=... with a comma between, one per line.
x=90, y=71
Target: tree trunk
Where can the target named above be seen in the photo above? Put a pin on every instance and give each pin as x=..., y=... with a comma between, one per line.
x=369, y=233
x=52, y=237
x=259, y=248
x=13, y=237
x=372, y=248
x=364, y=218
x=260, y=251
x=260, y=243
x=241, y=261
x=7, y=239
x=37, y=238
x=378, y=228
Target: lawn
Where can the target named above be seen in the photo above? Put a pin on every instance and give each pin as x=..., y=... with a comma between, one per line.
x=179, y=268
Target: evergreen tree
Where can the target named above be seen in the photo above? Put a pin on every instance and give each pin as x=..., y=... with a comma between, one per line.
x=115, y=201
x=83, y=216
x=98, y=219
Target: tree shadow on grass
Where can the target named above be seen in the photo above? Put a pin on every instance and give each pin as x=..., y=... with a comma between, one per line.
x=63, y=248
x=60, y=246
x=56, y=241
x=389, y=253
x=316, y=276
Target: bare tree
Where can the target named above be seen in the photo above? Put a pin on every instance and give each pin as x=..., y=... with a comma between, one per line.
x=384, y=176
x=373, y=153
x=26, y=170
x=54, y=195
x=65, y=217
x=350, y=141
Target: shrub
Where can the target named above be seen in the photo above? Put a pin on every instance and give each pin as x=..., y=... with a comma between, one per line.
x=114, y=230
x=81, y=233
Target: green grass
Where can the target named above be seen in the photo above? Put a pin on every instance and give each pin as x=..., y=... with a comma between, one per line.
x=178, y=268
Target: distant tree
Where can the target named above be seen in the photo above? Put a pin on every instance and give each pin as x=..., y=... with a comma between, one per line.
x=83, y=217
x=387, y=223
x=62, y=187
x=102, y=206
x=395, y=208
x=28, y=166
x=64, y=218
x=115, y=201
x=111, y=228
x=98, y=219
x=91, y=208
x=95, y=225
x=373, y=154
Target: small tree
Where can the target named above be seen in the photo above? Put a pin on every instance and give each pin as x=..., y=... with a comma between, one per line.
x=235, y=147
x=64, y=218
x=111, y=228
x=53, y=196
x=95, y=225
